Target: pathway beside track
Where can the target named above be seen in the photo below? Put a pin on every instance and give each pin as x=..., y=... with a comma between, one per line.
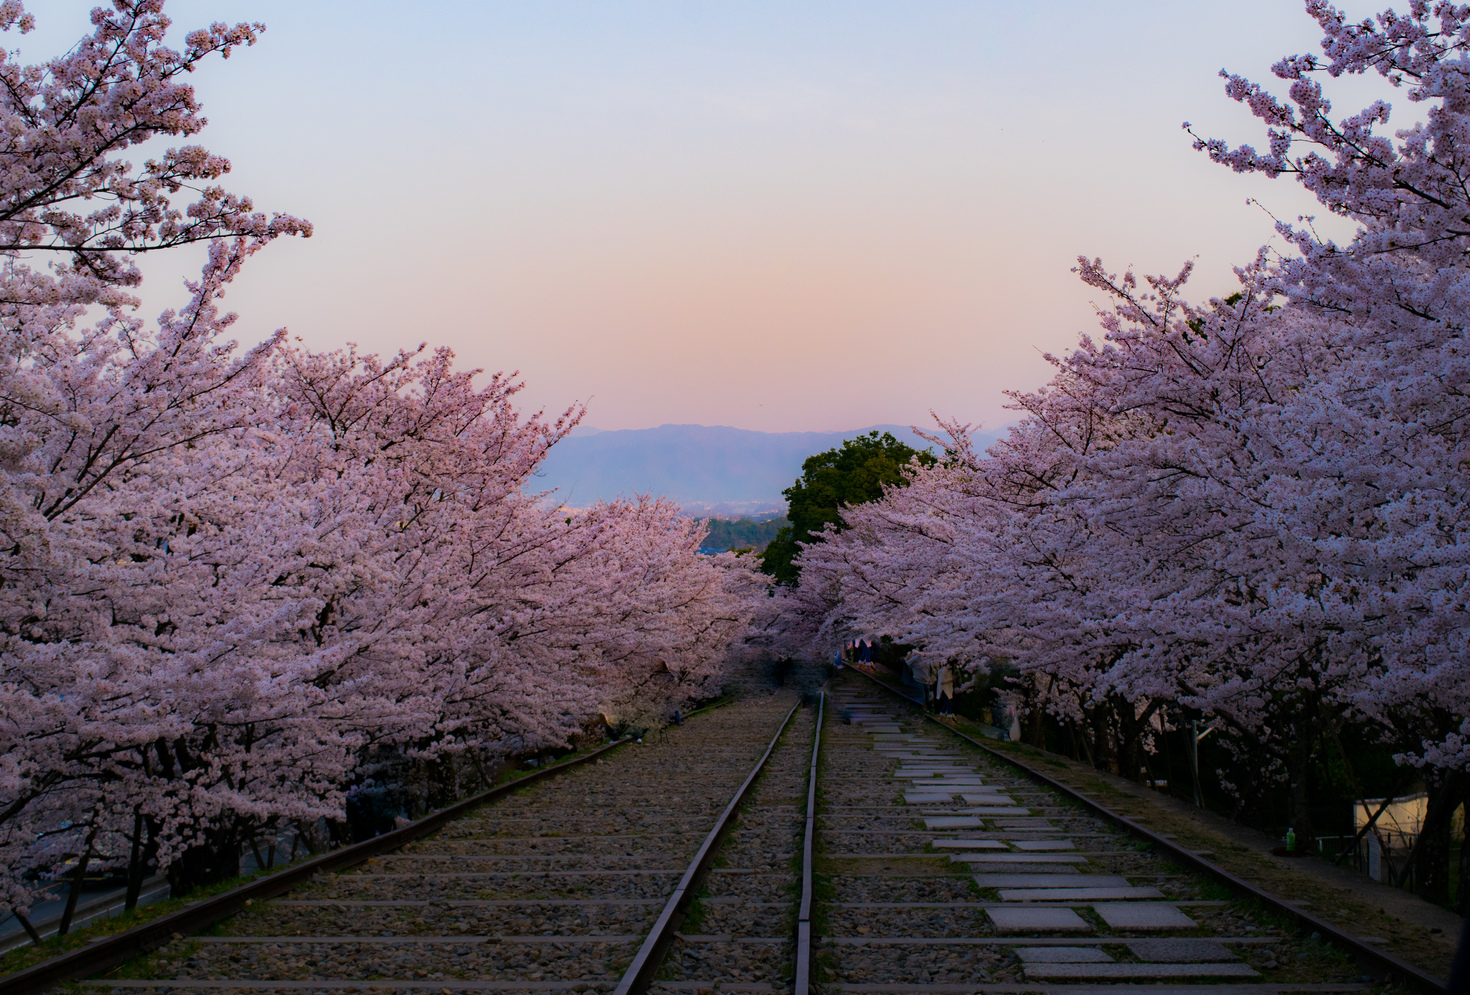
x=948, y=872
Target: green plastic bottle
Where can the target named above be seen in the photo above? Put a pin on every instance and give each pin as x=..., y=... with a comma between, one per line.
x=1290, y=840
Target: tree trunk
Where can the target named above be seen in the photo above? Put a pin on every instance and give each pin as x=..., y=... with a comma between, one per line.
x=208, y=863
x=1194, y=782
x=1299, y=770
x=1169, y=782
x=1134, y=727
x=1082, y=737
x=30, y=930
x=1462, y=899
x=255, y=852
x=1102, y=746
x=135, y=864
x=1432, y=855
x=75, y=892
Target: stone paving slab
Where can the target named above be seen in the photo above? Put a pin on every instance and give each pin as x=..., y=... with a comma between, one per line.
x=1051, y=881
x=952, y=822
x=1076, y=894
x=914, y=762
x=925, y=797
x=1018, y=858
x=969, y=844
x=1043, y=844
x=987, y=811
x=1031, y=866
x=1236, y=970
x=944, y=775
x=1179, y=949
x=1143, y=915
x=1062, y=955
x=1037, y=919
x=908, y=760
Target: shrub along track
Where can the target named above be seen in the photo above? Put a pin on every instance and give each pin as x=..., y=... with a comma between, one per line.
x=553, y=888
x=945, y=870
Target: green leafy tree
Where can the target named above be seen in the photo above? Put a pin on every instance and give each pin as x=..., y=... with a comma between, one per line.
x=854, y=473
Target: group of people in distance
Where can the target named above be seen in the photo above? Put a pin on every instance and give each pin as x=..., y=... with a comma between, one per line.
x=938, y=689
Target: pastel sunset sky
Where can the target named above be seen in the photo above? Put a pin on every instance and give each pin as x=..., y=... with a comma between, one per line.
x=771, y=215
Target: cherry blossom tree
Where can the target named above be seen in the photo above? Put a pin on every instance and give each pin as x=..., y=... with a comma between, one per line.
x=1251, y=509
x=92, y=408
x=243, y=584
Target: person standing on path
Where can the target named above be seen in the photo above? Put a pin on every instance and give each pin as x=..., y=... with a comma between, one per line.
x=945, y=690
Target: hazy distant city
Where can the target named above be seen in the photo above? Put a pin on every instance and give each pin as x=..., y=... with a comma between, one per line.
x=708, y=469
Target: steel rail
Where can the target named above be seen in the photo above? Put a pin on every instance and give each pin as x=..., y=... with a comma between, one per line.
x=108, y=952
x=1385, y=965
x=650, y=955
x=804, y=915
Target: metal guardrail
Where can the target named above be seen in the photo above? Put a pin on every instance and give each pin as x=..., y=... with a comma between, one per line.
x=640, y=972
x=108, y=952
x=1386, y=965
x=804, y=915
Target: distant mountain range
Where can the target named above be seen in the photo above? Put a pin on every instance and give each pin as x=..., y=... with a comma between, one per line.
x=708, y=469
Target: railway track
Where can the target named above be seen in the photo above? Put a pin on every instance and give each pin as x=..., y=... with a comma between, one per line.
x=554, y=888
x=697, y=864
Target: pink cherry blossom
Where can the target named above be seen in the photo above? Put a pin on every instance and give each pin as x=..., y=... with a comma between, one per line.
x=241, y=583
